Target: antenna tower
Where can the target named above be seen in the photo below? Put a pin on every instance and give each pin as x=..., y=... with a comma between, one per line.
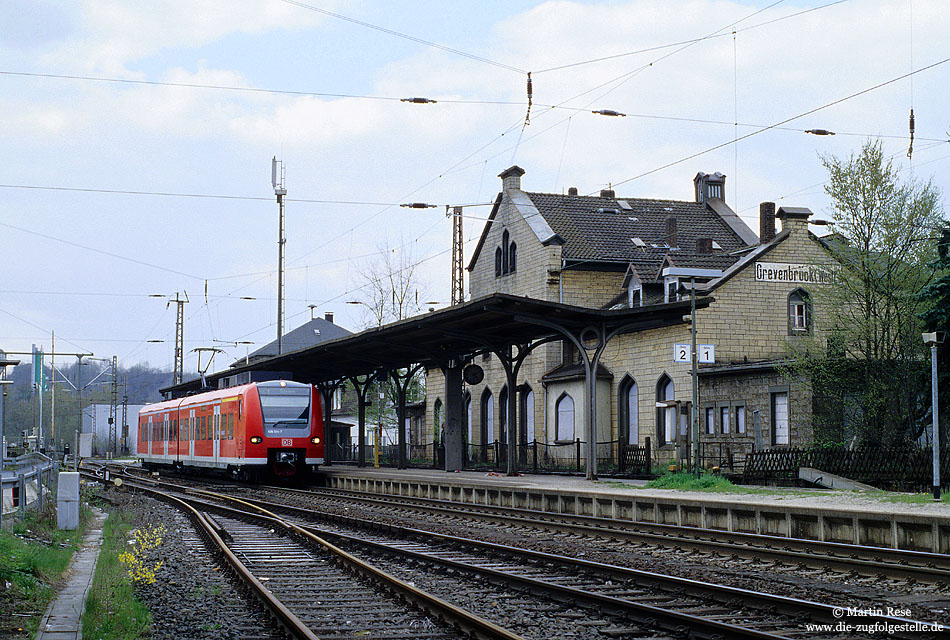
x=277, y=181
x=458, y=287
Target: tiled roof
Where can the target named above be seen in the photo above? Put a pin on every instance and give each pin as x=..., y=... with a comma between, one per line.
x=306, y=335
x=601, y=229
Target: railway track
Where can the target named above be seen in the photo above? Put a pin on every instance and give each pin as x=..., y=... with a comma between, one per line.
x=309, y=587
x=674, y=603
x=619, y=601
x=796, y=553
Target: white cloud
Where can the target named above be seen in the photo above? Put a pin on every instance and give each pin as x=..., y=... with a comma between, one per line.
x=116, y=33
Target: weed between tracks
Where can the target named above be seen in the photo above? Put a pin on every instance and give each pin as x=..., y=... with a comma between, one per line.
x=112, y=611
x=34, y=555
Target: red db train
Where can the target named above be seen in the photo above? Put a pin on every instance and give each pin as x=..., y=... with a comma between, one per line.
x=262, y=428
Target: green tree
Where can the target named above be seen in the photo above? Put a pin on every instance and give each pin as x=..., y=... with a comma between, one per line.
x=937, y=318
x=865, y=362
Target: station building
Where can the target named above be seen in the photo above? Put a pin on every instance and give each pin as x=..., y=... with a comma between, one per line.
x=608, y=252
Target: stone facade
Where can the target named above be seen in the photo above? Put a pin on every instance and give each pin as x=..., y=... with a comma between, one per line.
x=750, y=322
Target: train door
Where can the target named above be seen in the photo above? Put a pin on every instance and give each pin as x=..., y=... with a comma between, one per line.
x=149, y=432
x=191, y=435
x=165, y=433
x=216, y=433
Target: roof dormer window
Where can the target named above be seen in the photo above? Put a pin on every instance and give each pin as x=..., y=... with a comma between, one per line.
x=671, y=287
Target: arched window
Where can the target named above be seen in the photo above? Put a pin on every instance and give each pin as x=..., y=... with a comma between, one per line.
x=468, y=418
x=512, y=257
x=504, y=252
x=799, y=312
x=564, y=418
x=503, y=416
x=665, y=414
x=498, y=262
x=438, y=422
x=526, y=415
x=488, y=418
x=628, y=411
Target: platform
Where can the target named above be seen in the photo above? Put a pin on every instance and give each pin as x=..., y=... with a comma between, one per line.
x=853, y=517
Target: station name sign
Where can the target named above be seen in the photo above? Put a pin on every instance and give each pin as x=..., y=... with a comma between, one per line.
x=795, y=273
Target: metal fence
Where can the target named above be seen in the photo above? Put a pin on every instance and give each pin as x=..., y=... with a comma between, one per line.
x=27, y=482
x=892, y=467
x=728, y=457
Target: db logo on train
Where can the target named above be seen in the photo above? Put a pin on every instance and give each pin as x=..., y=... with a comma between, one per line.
x=286, y=442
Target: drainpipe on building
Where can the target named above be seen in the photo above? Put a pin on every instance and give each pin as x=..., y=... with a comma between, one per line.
x=560, y=283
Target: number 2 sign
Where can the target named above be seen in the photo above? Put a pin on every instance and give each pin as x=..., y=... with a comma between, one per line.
x=707, y=353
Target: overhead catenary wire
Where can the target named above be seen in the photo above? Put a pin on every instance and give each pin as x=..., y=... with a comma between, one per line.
x=785, y=121
x=670, y=45
x=101, y=251
x=382, y=204
x=405, y=36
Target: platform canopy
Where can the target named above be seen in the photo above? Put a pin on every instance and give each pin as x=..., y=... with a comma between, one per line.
x=488, y=324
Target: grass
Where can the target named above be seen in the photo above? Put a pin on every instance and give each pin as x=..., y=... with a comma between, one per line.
x=685, y=481
x=112, y=611
x=33, y=556
x=907, y=498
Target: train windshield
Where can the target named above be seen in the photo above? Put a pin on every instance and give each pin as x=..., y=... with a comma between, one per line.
x=285, y=407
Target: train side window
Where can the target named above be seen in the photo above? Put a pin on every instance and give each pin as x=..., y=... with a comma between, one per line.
x=201, y=428
x=230, y=426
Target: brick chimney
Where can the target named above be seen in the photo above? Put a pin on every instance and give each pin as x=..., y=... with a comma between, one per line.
x=608, y=193
x=328, y=316
x=572, y=191
x=766, y=222
x=511, y=178
x=704, y=245
x=794, y=218
x=671, y=231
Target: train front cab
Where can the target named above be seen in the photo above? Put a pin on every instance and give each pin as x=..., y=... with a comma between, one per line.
x=289, y=428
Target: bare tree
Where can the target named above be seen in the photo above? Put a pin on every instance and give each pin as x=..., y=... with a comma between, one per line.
x=391, y=291
x=390, y=286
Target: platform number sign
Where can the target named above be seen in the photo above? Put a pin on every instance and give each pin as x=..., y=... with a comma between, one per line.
x=707, y=353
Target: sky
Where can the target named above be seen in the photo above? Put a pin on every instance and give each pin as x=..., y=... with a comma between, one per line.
x=137, y=138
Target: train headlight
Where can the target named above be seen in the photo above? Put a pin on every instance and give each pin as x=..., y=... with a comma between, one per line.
x=256, y=439
x=315, y=440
